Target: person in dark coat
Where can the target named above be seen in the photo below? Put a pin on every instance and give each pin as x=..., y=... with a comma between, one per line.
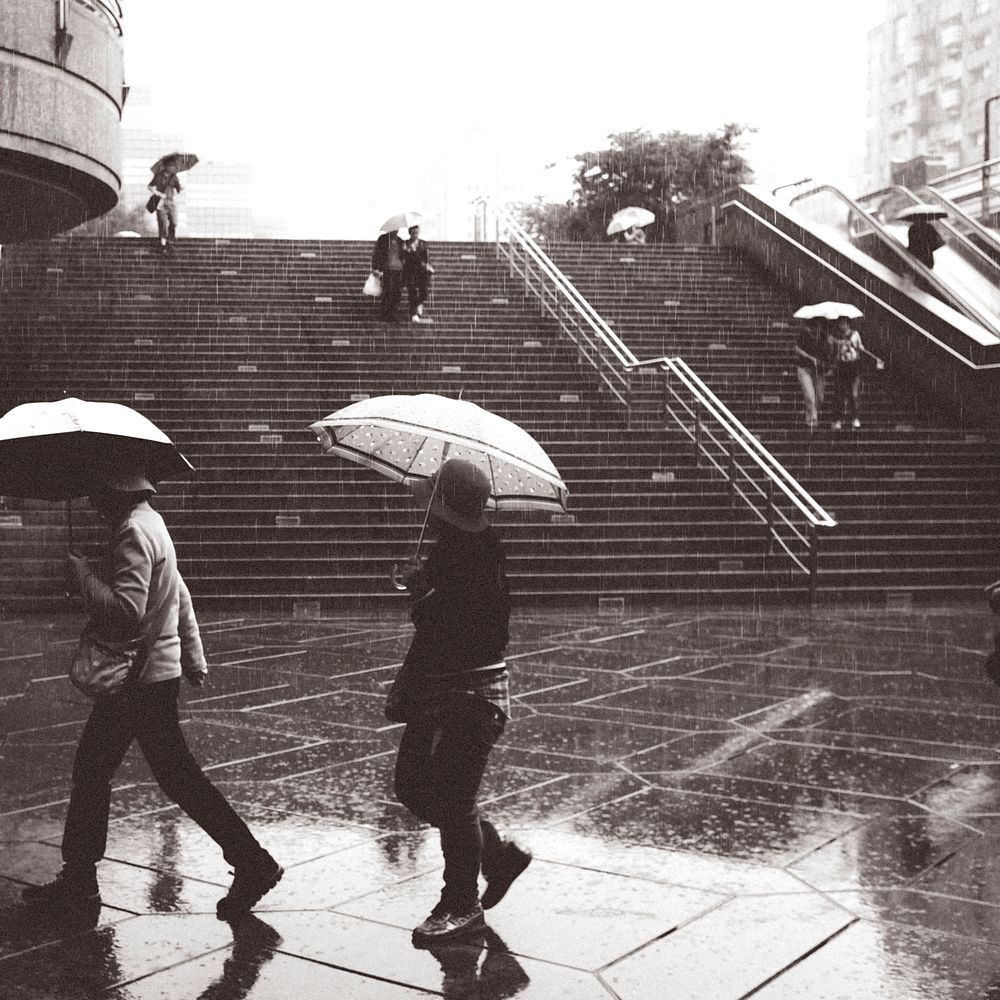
x=922, y=240
x=416, y=275
x=387, y=263
x=452, y=693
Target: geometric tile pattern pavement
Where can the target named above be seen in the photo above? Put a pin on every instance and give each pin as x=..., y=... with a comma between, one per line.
x=720, y=804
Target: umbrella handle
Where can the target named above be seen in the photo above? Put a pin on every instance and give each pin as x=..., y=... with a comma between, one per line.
x=414, y=563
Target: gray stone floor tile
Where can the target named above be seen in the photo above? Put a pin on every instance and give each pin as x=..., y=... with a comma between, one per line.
x=729, y=951
x=884, y=961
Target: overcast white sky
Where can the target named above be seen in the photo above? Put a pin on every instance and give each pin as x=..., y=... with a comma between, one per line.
x=323, y=97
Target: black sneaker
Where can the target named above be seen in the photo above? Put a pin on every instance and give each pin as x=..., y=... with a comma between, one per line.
x=250, y=883
x=511, y=863
x=68, y=888
x=442, y=925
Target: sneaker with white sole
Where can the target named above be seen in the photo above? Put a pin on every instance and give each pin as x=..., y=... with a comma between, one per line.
x=443, y=925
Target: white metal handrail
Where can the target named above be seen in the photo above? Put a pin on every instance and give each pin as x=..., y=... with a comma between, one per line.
x=735, y=436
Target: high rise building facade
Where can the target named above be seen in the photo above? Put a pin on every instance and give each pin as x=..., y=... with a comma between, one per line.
x=932, y=66
x=217, y=198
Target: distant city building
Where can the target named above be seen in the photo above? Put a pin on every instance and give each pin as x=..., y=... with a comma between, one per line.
x=217, y=198
x=932, y=64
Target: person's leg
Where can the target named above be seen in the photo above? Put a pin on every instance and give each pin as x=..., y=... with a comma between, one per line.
x=853, y=394
x=103, y=744
x=162, y=224
x=808, y=388
x=105, y=741
x=455, y=771
x=412, y=295
x=182, y=779
x=392, y=288
x=172, y=223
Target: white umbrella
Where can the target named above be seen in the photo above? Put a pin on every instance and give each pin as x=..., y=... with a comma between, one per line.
x=403, y=220
x=626, y=218
x=828, y=310
x=407, y=438
x=921, y=211
x=56, y=450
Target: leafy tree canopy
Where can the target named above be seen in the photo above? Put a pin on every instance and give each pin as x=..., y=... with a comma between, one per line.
x=655, y=172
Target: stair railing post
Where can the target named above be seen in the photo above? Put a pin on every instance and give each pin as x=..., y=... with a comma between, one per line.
x=698, y=431
x=813, y=563
x=770, y=515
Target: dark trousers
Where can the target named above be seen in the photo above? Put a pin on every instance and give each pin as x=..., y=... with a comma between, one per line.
x=147, y=713
x=417, y=285
x=846, y=389
x=392, y=292
x=439, y=768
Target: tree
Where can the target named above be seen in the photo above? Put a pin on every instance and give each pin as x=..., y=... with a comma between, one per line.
x=638, y=168
x=121, y=218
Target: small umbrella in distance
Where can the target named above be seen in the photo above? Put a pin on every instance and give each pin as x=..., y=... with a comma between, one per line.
x=403, y=220
x=926, y=212
x=626, y=218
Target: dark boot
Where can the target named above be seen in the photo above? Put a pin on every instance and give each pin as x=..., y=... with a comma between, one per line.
x=501, y=874
x=71, y=887
x=250, y=883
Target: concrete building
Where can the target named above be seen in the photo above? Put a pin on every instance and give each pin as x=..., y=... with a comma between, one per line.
x=61, y=94
x=218, y=195
x=932, y=65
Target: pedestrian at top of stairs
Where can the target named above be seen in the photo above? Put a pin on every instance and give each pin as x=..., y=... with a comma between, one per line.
x=387, y=263
x=165, y=187
x=417, y=273
x=144, y=597
x=452, y=693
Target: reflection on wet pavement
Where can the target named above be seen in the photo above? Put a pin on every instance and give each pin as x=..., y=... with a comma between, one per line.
x=720, y=805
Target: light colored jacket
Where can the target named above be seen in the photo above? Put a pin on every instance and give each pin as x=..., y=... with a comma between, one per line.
x=147, y=594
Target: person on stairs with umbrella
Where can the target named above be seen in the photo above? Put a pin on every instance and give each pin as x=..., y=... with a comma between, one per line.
x=452, y=693
x=387, y=263
x=144, y=595
x=417, y=273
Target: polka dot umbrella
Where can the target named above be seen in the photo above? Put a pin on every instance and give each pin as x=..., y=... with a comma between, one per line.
x=407, y=438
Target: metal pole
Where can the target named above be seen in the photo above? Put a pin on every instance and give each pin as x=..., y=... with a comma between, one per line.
x=813, y=562
x=986, y=157
x=770, y=515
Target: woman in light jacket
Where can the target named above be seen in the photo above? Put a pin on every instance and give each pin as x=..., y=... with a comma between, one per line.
x=145, y=596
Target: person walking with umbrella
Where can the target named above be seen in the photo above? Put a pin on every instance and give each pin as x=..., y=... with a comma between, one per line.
x=452, y=693
x=144, y=596
x=922, y=239
x=164, y=187
x=416, y=274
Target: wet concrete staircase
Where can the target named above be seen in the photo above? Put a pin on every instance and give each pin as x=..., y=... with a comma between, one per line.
x=233, y=347
x=915, y=492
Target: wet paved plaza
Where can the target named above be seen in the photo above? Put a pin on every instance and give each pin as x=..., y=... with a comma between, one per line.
x=720, y=805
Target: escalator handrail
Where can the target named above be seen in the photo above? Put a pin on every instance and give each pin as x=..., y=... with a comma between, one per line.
x=946, y=293
x=988, y=262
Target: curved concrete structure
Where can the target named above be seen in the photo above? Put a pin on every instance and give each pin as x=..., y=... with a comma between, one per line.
x=61, y=96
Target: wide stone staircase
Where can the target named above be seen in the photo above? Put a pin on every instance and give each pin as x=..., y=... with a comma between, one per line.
x=234, y=347
x=915, y=491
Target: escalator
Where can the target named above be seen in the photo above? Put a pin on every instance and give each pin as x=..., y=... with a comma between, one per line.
x=969, y=261
x=966, y=277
